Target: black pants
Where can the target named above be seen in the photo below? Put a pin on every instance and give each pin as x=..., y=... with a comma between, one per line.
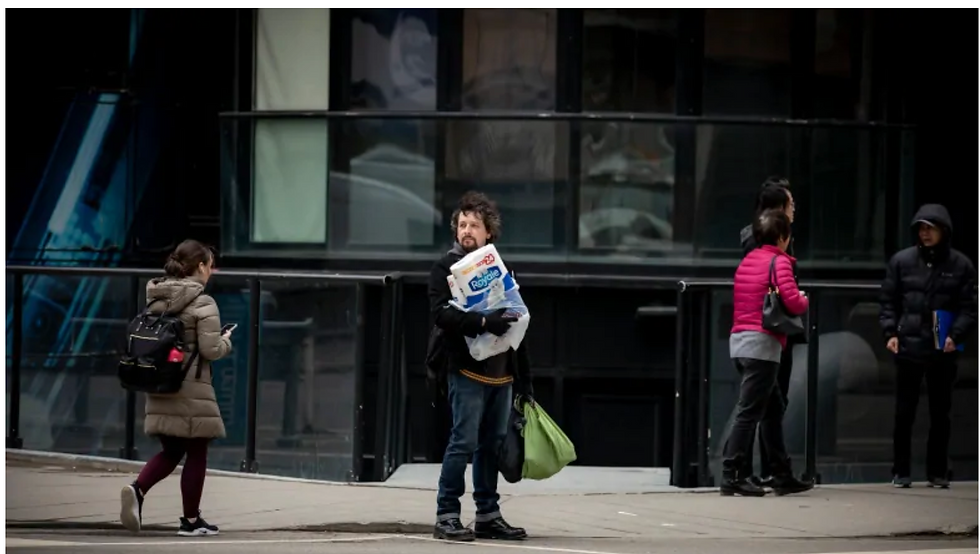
x=782, y=380
x=760, y=405
x=940, y=373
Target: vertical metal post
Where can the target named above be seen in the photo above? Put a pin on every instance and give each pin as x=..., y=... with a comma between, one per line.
x=13, y=435
x=357, y=433
x=249, y=464
x=812, y=392
x=704, y=427
x=382, y=429
x=677, y=472
x=129, y=451
x=399, y=419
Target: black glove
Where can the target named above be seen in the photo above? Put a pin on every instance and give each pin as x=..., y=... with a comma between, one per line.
x=498, y=323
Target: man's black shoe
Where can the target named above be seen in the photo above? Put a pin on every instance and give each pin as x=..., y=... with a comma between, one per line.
x=498, y=529
x=761, y=482
x=741, y=487
x=789, y=485
x=452, y=530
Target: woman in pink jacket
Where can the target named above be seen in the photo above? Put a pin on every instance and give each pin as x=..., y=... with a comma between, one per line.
x=756, y=352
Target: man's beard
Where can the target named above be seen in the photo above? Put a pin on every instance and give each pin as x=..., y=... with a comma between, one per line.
x=469, y=244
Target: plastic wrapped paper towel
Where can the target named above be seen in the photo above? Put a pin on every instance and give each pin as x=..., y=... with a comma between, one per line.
x=480, y=282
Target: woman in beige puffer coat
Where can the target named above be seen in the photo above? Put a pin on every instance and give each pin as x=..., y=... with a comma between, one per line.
x=185, y=421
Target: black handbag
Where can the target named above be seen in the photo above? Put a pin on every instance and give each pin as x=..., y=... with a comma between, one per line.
x=510, y=456
x=774, y=316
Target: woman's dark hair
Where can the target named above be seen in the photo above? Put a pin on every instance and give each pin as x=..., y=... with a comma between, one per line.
x=771, y=226
x=772, y=195
x=183, y=261
x=477, y=203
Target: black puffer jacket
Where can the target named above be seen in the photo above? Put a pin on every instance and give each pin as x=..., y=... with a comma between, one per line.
x=920, y=280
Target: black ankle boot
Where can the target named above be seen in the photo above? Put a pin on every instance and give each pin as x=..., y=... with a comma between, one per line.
x=788, y=484
x=498, y=529
x=740, y=487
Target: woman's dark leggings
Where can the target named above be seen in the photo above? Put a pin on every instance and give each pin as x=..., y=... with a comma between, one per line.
x=191, y=477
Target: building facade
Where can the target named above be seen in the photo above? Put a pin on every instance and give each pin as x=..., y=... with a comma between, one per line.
x=624, y=147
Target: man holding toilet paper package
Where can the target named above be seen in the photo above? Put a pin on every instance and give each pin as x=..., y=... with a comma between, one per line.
x=480, y=392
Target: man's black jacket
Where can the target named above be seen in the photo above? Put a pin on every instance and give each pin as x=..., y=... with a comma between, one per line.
x=457, y=324
x=920, y=280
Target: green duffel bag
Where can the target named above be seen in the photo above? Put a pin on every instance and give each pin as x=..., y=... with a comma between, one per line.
x=546, y=448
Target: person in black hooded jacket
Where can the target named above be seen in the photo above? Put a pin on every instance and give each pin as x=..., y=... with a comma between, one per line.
x=920, y=280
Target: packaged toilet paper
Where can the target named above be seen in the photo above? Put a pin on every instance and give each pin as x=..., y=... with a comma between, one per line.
x=454, y=289
x=480, y=282
x=481, y=273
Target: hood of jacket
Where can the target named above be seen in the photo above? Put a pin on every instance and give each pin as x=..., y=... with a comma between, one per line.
x=171, y=293
x=935, y=214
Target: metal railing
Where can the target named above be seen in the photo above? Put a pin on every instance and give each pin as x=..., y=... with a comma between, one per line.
x=389, y=445
x=692, y=377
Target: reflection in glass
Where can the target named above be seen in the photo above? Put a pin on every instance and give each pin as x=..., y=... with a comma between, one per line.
x=509, y=63
x=845, y=204
x=747, y=69
x=839, y=53
x=732, y=161
x=306, y=380
x=627, y=191
x=627, y=197
x=387, y=194
x=393, y=59
x=71, y=400
x=629, y=60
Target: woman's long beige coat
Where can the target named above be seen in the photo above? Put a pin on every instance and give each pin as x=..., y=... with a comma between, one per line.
x=192, y=412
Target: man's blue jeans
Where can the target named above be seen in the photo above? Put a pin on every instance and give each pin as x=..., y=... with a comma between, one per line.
x=480, y=416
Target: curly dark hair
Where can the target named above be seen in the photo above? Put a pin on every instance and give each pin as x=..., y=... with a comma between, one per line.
x=474, y=202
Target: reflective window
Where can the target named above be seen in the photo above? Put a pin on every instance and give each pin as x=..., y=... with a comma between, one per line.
x=747, y=69
x=839, y=51
x=626, y=199
x=509, y=62
x=629, y=60
x=382, y=193
x=289, y=179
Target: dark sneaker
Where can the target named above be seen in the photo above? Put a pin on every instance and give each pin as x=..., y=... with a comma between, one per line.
x=452, y=529
x=741, y=487
x=498, y=529
x=131, y=513
x=790, y=485
x=900, y=482
x=938, y=482
x=197, y=528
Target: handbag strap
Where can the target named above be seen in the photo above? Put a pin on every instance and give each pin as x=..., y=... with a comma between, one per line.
x=772, y=274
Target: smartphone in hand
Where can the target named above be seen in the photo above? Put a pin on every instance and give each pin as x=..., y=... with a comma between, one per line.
x=227, y=329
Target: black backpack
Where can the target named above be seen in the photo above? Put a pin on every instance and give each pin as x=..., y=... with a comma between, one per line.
x=153, y=361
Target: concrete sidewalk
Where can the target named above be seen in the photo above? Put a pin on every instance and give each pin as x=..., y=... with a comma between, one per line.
x=48, y=493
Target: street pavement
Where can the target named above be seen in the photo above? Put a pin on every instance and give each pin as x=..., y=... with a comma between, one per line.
x=309, y=543
x=54, y=506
